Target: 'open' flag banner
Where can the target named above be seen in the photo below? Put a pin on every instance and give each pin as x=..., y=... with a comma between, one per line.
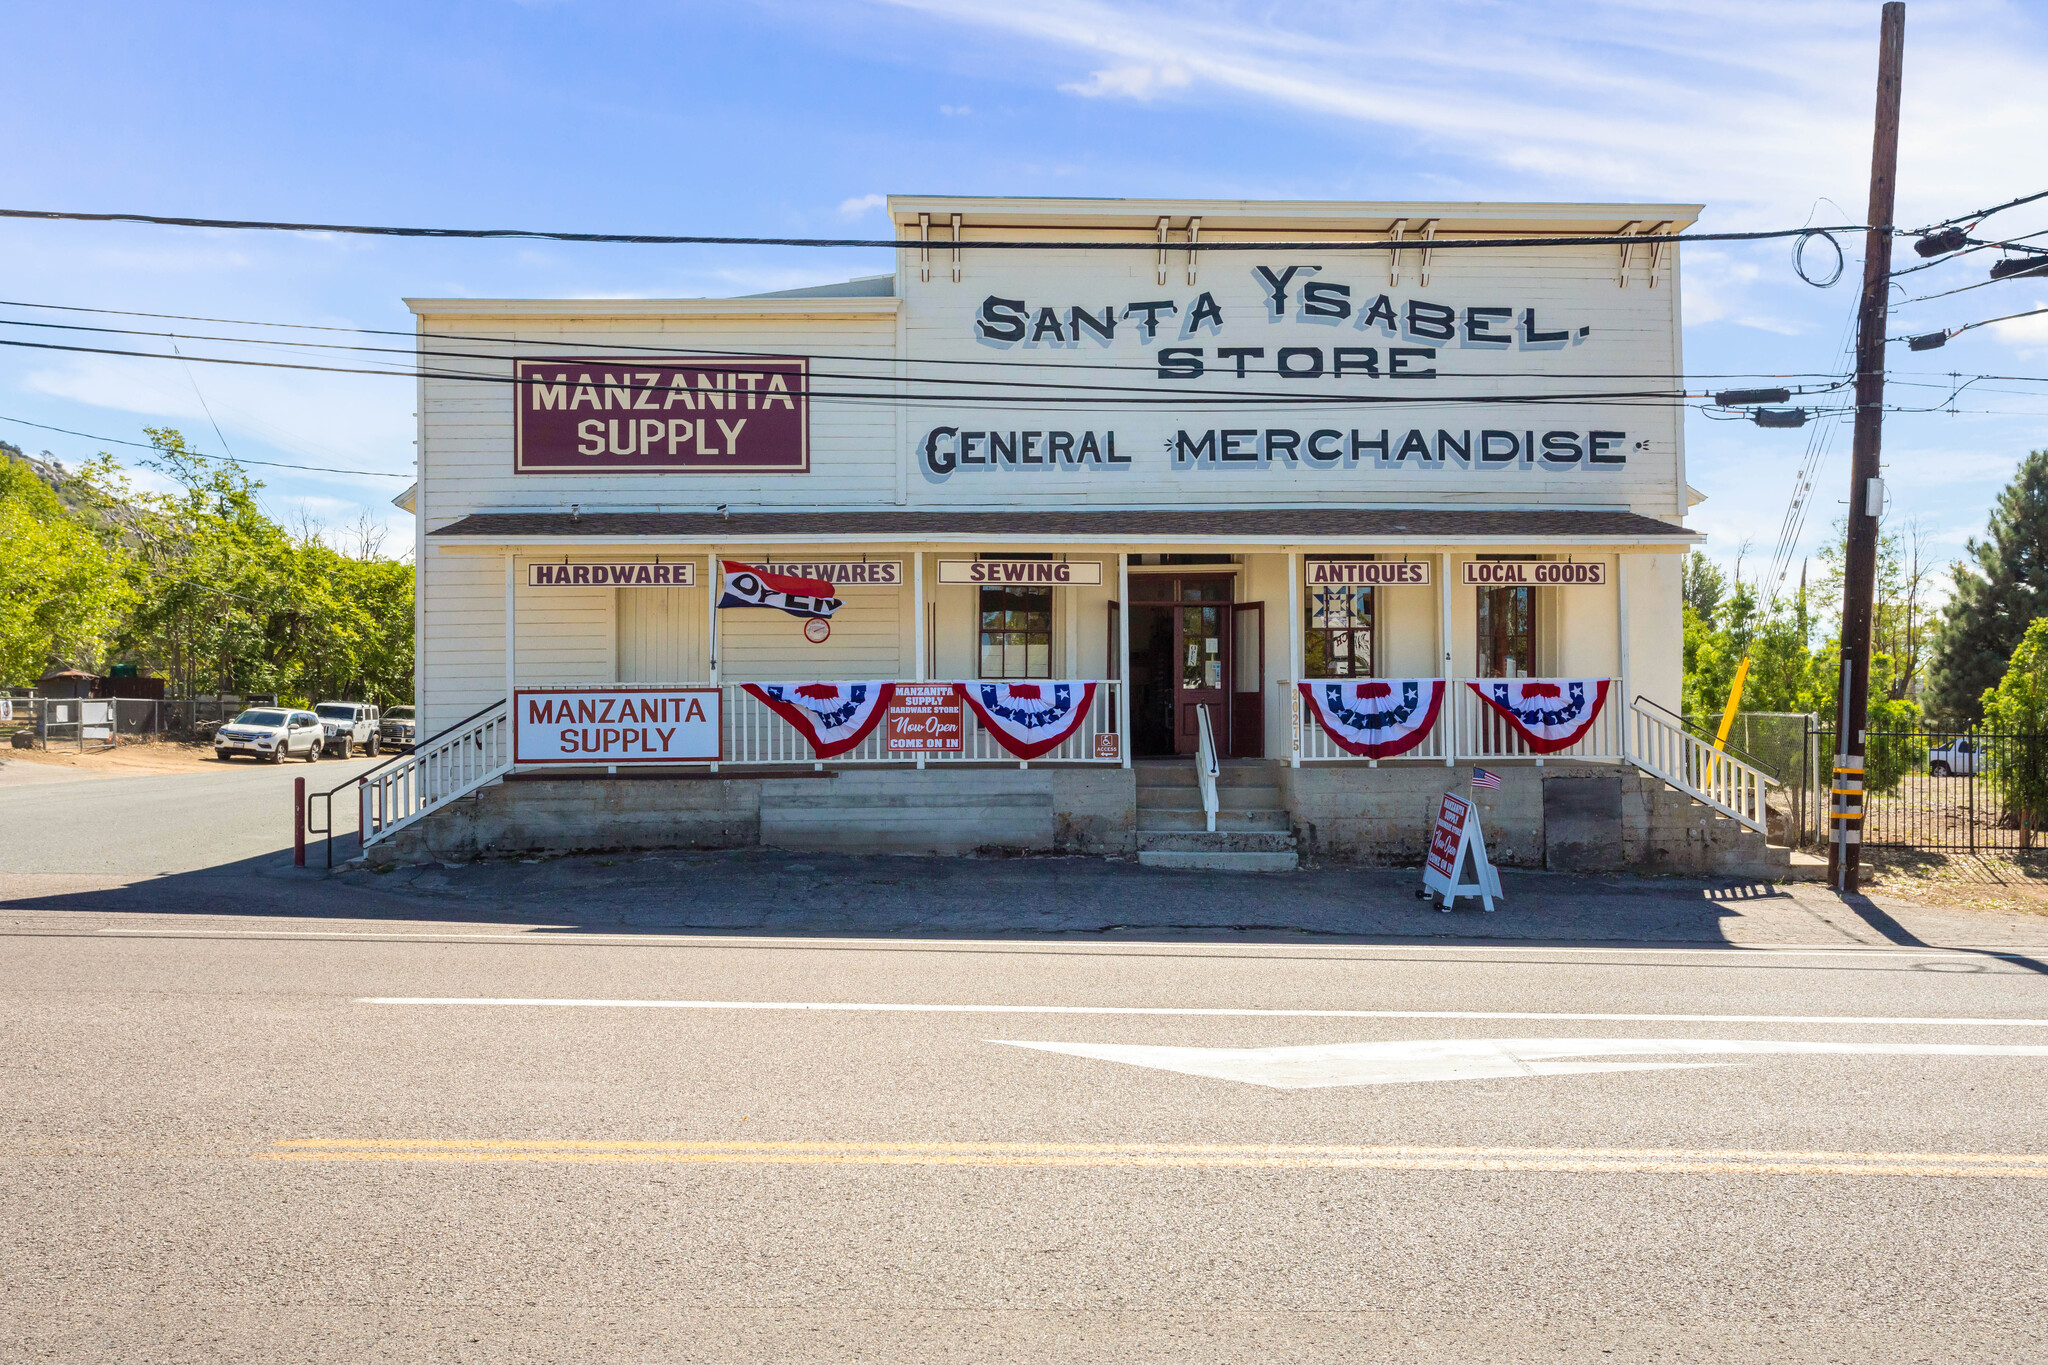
x=747, y=586
x=833, y=716
x=1549, y=713
x=1376, y=717
x=1029, y=718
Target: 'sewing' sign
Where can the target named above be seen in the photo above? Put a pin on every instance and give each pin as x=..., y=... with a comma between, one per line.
x=651, y=415
x=618, y=725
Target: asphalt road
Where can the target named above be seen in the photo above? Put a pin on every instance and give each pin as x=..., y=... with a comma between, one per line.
x=249, y=1116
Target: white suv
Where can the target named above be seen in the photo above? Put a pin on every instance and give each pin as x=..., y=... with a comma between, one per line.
x=1957, y=758
x=270, y=733
x=348, y=725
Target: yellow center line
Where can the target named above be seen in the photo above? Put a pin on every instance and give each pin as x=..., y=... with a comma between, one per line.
x=1156, y=1155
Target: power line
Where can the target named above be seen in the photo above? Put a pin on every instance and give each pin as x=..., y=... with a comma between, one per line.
x=1979, y=215
x=900, y=243
x=145, y=445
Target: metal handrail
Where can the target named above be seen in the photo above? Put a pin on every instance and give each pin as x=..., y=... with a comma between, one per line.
x=1205, y=763
x=1684, y=760
x=1693, y=728
x=418, y=744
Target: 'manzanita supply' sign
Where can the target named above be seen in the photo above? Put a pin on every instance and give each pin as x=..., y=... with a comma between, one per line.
x=926, y=718
x=682, y=575
x=1542, y=573
x=1367, y=573
x=618, y=725
x=652, y=415
x=1022, y=572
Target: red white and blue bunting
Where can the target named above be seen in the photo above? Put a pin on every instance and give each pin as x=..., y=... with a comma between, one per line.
x=834, y=716
x=1549, y=713
x=1375, y=717
x=1029, y=718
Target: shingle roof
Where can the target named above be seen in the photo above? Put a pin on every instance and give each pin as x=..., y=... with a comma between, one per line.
x=1264, y=524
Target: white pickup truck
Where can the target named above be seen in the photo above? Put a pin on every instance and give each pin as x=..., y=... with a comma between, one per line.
x=1957, y=758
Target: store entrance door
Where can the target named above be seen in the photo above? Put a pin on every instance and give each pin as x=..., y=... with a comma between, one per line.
x=1180, y=659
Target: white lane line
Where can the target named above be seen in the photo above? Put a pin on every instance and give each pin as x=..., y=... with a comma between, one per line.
x=860, y=1007
x=564, y=935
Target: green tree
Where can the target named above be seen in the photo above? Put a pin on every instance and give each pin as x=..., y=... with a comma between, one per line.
x=63, y=583
x=2016, y=714
x=1704, y=587
x=1997, y=601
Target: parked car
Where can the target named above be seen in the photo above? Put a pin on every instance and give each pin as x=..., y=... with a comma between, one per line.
x=349, y=725
x=1958, y=758
x=270, y=733
x=400, y=727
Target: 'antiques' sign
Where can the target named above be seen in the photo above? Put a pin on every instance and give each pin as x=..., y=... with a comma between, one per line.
x=654, y=415
x=1022, y=572
x=926, y=718
x=1542, y=573
x=683, y=575
x=1367, y=573
x=615, y=725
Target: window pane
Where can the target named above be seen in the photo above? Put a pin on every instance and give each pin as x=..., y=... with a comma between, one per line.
x=991, y=656
x=1038, y=659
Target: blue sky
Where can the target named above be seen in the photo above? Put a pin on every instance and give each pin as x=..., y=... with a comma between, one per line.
x=793, y=118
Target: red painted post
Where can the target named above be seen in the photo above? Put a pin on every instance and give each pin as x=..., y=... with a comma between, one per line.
x=298, y=822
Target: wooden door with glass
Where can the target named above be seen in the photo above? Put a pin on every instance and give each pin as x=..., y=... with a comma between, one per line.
x=1180, y=660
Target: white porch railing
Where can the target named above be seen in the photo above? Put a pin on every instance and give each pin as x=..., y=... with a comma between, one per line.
x=756, y=737
x=1659, y=745
x=1467, y=728
x=1205, y=763
x=452, y=764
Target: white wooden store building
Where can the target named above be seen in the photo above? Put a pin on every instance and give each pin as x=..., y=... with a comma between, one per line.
x=1128, y=498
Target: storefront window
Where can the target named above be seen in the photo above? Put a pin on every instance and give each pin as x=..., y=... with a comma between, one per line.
x=1507, y=632
x=1016, y=632
x=1338, y=643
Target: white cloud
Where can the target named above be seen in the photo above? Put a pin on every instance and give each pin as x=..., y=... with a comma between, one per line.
x=1132, y=82
x=2028, y=336
x=867, y=203
x=956, y=110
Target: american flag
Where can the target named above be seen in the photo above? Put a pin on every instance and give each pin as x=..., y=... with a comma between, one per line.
x=1483, y=778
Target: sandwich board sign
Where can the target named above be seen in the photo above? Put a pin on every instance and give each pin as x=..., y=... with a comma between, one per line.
x=1456, y=834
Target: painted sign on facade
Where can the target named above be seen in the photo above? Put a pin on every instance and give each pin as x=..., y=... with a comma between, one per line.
x=573, y=575
x=859, y=573
x=1544, y=573
x=616, y=725
x=1367, y=573
x=653, y=415
x=1022, y=572
x=926, y=718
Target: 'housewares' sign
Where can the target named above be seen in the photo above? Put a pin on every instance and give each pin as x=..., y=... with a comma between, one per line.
x=1494, y=573
x=652, y=415
x=1022, y=572
x=618, y=725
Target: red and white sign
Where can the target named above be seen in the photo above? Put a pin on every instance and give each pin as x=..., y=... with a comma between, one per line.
x=1054, y=573
x=1455, y=834
x=748, y=585
x=817, y=630
x=1541, y=573
x=656, y=415
x=615, y=725
x=926, y=718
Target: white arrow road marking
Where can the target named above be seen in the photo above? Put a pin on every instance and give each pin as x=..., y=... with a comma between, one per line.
x=1473, y=1059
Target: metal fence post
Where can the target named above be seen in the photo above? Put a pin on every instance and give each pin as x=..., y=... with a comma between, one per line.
x=298, y=822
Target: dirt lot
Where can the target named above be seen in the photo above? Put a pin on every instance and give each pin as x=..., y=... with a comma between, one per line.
x=1976, y=881
x=127, y=760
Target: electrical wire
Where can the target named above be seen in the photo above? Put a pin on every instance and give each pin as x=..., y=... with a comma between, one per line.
x=232, y=459
x=1980, y=214
x=1970, y=249
x=1954, y=332
x=901, y=243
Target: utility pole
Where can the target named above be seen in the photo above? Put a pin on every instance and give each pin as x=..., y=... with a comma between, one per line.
x=1866, y=490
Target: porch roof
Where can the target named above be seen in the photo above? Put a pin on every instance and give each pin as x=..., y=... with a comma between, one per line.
x=1274, y=526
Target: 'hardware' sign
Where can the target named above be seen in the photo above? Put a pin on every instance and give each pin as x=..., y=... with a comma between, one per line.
x=682, y=575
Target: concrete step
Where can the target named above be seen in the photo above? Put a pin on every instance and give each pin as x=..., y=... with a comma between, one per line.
x=1190, y=798
x=1181, y=773
x=1198, y=841
x=1221, y=862
x=1805, y=867
x=1226, y=820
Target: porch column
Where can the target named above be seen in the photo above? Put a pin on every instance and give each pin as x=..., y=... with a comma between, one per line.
x=711, y=615
x=917, y=625
x=1294, y=663
x=1443, y=641
x=511, y=628
x=1621, y=642
x=1123, y=656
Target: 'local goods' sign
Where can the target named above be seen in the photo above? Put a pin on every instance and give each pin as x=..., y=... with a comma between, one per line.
x=1022, y=572
x=616, y=725
x=682, y=575
x=651, y=415
x=1542, y=573
x=926, y=718
x=1367, y=573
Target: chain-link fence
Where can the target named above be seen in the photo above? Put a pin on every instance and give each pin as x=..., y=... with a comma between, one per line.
x=99, y=722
